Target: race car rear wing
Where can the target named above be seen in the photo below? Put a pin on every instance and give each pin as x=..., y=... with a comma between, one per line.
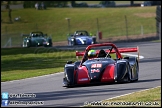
x=121, y=50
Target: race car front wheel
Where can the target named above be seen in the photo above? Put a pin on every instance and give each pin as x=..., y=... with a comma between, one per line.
x=94, y=40
x=71, y=43
x=28, y=44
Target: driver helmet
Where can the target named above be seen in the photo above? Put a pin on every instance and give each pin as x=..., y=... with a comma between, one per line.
x=77, y=34
x=92, y=54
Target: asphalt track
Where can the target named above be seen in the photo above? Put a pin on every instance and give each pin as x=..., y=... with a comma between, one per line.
x=50, y=90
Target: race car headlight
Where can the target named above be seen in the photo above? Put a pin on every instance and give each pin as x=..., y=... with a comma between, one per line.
x=27, y=41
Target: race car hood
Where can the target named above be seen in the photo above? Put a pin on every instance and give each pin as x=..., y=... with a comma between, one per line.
x=83, y=38
x=96, y=67
x=39, y=39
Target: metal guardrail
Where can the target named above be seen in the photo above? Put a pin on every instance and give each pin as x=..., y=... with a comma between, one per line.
x=8, y=42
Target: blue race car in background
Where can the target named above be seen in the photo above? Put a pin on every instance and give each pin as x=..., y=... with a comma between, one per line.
x=81, y=37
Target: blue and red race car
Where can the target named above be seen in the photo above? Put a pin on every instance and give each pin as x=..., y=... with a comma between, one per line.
x=102, y=63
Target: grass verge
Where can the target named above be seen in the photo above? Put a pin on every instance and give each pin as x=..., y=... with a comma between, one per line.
x=145, y=98
x=20, y=63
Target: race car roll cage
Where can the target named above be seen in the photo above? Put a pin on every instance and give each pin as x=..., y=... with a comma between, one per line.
x=113, y=49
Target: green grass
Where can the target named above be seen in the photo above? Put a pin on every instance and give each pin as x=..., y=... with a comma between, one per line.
x=20, y=63
x=146, y=98
x=111, y=22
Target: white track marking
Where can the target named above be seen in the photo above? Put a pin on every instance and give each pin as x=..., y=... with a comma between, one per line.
x=140, y=57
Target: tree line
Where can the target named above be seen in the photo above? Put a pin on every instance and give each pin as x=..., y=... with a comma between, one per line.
x=30, y=4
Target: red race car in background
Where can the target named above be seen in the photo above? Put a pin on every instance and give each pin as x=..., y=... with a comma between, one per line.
x=102, y=63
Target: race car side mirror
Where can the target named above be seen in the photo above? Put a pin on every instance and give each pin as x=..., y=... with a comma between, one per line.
x=69, y=62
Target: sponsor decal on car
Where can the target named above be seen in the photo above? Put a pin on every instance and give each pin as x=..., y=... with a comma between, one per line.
x=96, y=65
x=83, y=79
x=95, y=70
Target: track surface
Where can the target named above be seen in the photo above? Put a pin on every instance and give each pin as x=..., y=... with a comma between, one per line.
x=50, y=89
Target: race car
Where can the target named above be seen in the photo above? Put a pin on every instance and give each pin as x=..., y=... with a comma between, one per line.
x=102, y=63
x=35, y=39
x=81, y=37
